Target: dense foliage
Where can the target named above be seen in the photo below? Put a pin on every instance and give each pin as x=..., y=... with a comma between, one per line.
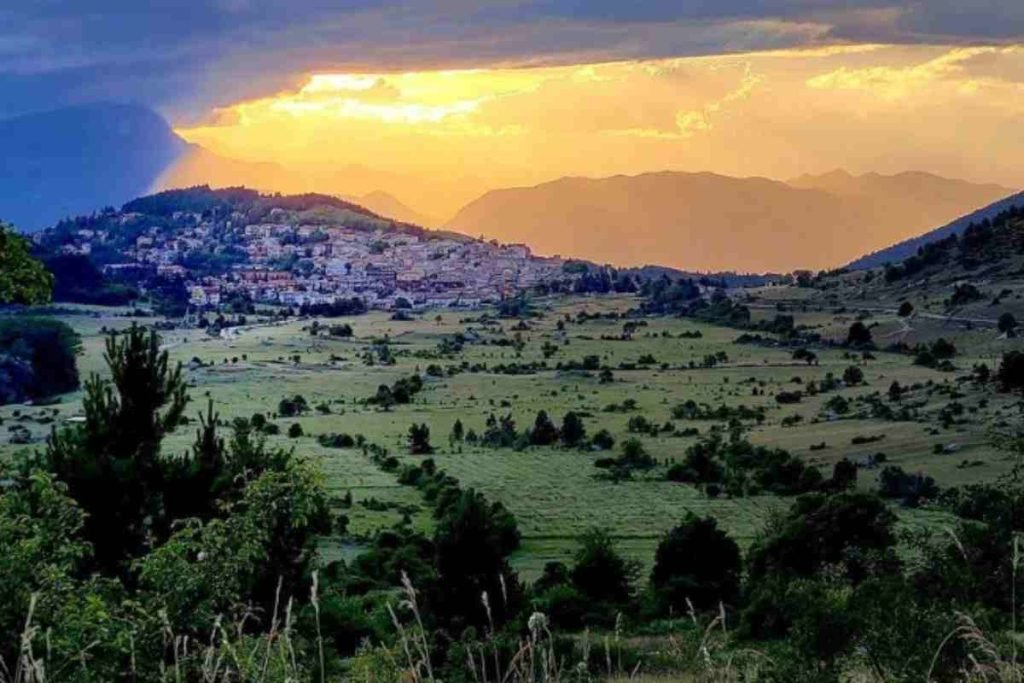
x=23, y=279
x=37, y=358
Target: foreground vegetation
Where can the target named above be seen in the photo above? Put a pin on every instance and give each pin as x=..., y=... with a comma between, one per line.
x=573, y=488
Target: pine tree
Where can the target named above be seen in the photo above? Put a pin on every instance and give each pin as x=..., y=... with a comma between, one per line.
x=111, y=462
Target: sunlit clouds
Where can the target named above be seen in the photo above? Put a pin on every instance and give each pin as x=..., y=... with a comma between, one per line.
x=949, y=110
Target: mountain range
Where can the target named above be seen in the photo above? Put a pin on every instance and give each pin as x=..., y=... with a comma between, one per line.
x=711, y=222
x=77, y=160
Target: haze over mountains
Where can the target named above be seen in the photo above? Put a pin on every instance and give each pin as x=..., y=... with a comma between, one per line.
x=80, y=159
x=712, y=222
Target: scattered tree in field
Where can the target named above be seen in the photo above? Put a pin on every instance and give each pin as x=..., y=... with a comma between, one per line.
x=805, y=355
x=292, y=406
x=544, y=432
x=573, y=430
x=1007, y=324
x=853, y=376
x=458, y=432
x=419, y=440
x=1010, y=374
x=858, y=335
x=905, y=310
x=295, y=431
x=384, y=397
x=603, y=440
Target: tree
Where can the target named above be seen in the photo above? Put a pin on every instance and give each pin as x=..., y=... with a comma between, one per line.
x=111, y=462
x=295, y=430
x=858, y=335
x=844, y=475
x=853, y=375
x=1007, y=324
x=384, y=397
x=458, y=432
x=472, y=544
x=37, y=358
x=23, y=280
x=419, y=439
x=603, y=440
x=544, y=432
x=895, y=391
x=292, y=406
x=573, y=430
x=696, y=562
x=1010, y=374
x=600, y=573
x=906, y=308
x=805, y=355
x=852, y=531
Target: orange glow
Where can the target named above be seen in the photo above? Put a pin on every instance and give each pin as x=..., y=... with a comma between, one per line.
x=436, y=139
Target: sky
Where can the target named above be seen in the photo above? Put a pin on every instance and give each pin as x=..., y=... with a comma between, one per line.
x=509, y=92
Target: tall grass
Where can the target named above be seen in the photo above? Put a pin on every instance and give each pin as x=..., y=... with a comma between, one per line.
x=233, y=653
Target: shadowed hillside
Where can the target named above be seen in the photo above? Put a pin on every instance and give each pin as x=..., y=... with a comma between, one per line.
x=69, y=161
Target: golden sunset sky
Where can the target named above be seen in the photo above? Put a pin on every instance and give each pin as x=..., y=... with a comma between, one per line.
x=950, y=110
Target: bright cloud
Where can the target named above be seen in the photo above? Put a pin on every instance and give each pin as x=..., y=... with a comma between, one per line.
x=950, y=110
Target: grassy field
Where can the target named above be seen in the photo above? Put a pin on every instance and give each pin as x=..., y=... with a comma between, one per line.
x=554, y=492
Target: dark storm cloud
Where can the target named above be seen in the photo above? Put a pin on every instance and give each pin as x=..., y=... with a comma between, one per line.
x=185, y=56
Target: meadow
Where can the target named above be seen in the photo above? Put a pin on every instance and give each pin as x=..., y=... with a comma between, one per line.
x=554, y=492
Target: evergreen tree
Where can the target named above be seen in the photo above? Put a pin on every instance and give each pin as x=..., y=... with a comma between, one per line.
x=573, y=431
x=544, y=432
x=419, y=439
x=111, y=463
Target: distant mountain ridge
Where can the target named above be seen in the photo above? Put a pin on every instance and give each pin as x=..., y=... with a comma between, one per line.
x=907, y=248
x=710, y=222
x=66, y=162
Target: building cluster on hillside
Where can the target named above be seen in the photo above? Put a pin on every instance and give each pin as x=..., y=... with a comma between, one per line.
x=295, y=264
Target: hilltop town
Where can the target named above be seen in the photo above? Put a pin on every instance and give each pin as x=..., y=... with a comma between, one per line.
x=308, y=251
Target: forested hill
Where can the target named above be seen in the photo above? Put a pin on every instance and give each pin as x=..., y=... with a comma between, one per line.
x=974, y=275
x=908, y=248
x=990, y=247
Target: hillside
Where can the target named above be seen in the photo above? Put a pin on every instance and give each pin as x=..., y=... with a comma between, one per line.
x=704, y=221
x=908, y=248
x=70, y=161
x=961, y=286
x=201, y=246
